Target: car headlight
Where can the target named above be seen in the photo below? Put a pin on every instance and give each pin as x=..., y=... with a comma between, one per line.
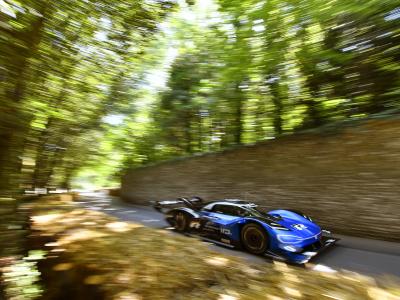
x=288, y=239
x=290, y=248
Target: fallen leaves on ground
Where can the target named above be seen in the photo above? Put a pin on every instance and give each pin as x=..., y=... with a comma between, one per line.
x=130, y=261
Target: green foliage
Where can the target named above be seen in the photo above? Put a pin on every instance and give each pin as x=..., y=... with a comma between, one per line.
x=236, y=72
x=251, y=70
x=64, y=66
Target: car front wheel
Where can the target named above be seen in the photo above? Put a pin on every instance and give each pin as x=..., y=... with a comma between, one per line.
x=254, y=239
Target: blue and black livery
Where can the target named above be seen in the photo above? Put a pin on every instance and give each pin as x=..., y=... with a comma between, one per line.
x=282, y=234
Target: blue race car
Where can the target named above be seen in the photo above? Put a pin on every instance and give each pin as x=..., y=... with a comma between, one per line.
x=281, y=234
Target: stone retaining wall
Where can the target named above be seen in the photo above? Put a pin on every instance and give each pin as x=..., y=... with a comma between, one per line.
x=347, y=179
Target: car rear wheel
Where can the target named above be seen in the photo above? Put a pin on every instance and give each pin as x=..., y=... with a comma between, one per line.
x=181, y=222
x=254, y=238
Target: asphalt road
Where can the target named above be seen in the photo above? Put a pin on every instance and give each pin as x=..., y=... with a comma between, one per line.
x=369, y=257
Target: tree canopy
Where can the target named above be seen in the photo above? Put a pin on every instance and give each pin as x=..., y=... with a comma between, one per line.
x=90, y=88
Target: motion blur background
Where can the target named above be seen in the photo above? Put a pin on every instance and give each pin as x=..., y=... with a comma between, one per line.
x=92, y=88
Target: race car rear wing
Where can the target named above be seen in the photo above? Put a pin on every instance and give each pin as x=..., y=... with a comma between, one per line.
x=193, y=203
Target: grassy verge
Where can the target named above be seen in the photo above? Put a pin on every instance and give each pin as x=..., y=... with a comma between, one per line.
x=91, y=255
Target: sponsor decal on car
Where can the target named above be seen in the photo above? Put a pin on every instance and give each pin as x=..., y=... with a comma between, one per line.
x=211, y=225
x=225, y=231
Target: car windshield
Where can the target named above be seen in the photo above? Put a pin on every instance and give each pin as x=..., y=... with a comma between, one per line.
x=257, y=212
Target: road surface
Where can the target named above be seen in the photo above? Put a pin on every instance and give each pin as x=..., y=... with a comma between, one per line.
x=369, y=257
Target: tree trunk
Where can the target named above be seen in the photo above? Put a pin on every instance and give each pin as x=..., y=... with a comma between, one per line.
x=278, y=108
x=188, y=132
x=238, y=117
x=16, y=128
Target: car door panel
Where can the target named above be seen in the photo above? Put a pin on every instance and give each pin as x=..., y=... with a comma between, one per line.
x=209, y=224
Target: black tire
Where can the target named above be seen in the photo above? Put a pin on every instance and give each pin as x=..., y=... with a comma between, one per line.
x=181, y=221
x=254, y=238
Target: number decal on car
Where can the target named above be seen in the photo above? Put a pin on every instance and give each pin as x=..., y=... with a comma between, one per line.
x=300, y=226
